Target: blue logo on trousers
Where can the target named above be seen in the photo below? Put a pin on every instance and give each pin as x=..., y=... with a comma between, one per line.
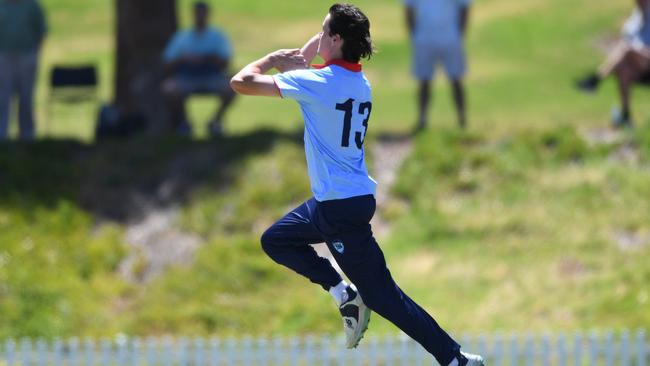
x=338, y=245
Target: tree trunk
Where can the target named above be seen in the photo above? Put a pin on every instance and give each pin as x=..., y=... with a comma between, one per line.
x=143, y=29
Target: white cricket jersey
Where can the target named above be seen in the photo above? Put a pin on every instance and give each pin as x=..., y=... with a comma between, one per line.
x=336, y=104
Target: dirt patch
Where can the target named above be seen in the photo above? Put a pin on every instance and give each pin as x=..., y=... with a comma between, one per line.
x=389, y=153
x=603, y=136
x=631, y=241
x=627, y=153
x=625, y=150
x=156, y=244
x=572, y=268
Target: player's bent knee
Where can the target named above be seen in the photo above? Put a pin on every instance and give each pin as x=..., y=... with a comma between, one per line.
x=268, y=241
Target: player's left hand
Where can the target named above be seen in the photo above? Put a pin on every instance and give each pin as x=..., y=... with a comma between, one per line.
x=288, y=59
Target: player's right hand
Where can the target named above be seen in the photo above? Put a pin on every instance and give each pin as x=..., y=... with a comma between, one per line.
x=288, y=59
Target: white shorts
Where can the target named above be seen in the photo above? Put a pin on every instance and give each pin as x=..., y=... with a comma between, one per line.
x=427, y=55
x=637, y=44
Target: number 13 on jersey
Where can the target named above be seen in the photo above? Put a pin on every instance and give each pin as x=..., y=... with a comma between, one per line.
x=363, y=109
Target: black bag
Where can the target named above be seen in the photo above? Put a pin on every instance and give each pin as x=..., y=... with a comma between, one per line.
x=112, y=124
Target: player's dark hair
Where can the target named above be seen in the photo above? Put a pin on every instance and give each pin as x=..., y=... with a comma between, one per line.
x=353, y=26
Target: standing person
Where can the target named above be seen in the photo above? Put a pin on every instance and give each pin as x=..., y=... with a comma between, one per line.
x=197, y=62
x=22, y=30
x=629, y=61
x=437, y=30
x=336, y=104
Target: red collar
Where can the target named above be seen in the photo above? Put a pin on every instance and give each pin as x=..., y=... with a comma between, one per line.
x=350, y=66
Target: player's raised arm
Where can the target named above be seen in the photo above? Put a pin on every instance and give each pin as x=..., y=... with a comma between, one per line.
x=251, y=80
x=310, y=49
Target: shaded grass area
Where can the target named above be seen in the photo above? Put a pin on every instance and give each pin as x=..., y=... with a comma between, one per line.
x=107, y=179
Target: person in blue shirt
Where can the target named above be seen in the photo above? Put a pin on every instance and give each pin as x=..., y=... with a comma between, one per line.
x=437, y=31
x=196, y=61
x=22, y=31
x=629, y=62
x=336, y=104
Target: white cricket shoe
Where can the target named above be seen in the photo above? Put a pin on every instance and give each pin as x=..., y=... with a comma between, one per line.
x=356, y=316
x=468, y=359
x=619, y=120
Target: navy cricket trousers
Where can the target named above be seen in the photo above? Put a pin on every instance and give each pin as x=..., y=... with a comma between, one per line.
x=345, y=226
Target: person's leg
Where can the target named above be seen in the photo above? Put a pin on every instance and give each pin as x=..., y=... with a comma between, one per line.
x=287, y=243
x=625, y=82
x=613, y=60
x=227, y=96
x=423, y=69
x=346, y=222
x=424, y=98
x=630, y=68
x=6, y=91
x=27, y=66
x=219, y=85
x=614, y=57
x=459, y=101
x=453, y=57
x=175, y=92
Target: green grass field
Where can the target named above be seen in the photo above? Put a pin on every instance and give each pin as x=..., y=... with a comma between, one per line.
x=536, y=218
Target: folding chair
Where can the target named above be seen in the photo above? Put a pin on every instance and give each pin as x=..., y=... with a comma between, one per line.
x=71, y=84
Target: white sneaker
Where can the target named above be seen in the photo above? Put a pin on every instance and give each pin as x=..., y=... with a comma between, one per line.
x=619, y=120
x=356, y=316
x=468, y=359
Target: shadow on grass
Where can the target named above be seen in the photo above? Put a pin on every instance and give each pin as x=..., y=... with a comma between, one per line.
x=119, y=180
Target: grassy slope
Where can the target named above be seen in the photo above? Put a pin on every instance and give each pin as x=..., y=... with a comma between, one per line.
x=524, y=232
x=508, y=227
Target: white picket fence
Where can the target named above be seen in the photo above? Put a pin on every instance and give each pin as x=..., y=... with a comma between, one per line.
x=593, y=349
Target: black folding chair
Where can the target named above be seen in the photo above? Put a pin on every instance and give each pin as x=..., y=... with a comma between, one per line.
x=72, y=84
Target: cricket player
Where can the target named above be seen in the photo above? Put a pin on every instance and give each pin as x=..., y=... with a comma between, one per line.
x=336, y=104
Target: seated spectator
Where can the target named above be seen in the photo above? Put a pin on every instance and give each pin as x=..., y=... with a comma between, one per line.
x=22, y=30
x=629, y=61
x=197, y=62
